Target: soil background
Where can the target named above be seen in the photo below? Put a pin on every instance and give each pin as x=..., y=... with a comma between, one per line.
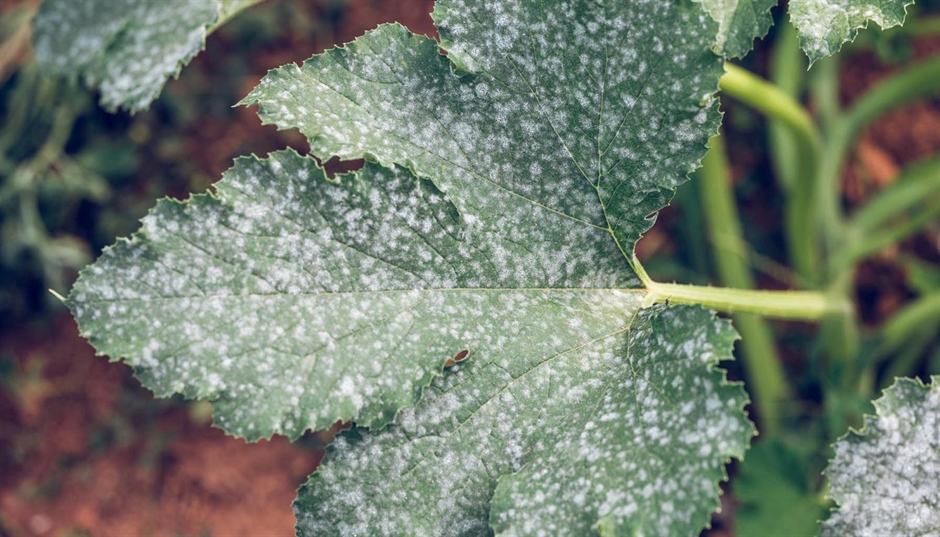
x=84, y=450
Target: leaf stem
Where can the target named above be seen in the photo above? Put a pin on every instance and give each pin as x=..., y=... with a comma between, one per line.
x=920, y=80
x=765, y=376
x=794, y=305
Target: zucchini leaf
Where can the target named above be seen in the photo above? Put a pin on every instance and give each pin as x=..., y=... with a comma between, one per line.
x=126, y=48
x=884, y=478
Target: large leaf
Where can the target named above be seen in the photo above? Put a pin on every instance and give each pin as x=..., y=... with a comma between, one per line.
x=127, y=48
x=588, y=111
x=294, y=302
x=506, y=200
x=886, y=477
x=623, y=436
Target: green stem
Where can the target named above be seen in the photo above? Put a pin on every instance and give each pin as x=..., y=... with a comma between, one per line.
x=765, y=375
x=920, y=80
x=787, y=72
x=771, y=100
x=779, y=105
x=883, y=237
x=918, y=320
x=794, y=305
x=915, y=184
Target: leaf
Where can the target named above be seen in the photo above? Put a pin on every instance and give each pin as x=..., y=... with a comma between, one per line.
x=309, y=301
x=625, y=435
x=127, y=48
x=740, y=22
x=885, y=476
x=776, y=498
x=824, y=25
x=509, y=181
x=595, y=118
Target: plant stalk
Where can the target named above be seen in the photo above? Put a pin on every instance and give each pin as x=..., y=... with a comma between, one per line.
x=920, y=80
x=800, y=208
x=765, y=375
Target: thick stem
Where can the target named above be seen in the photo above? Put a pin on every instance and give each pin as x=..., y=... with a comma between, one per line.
x=800, y=208
x=793, y=305
x=765, y=376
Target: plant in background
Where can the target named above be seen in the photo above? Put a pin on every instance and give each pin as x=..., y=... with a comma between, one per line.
x=470, y=298
x=47, y=172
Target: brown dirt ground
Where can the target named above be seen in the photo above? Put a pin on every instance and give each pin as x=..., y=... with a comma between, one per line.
x=84, y=450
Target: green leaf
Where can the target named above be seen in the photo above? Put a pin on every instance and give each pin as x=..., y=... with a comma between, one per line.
x=824, y=25
x=503, y=198
x=739, y=23
x=589, y=113
x=308, y=301
x=885, y=476
x=776, y=498
x=127, y=48
x=624, y=435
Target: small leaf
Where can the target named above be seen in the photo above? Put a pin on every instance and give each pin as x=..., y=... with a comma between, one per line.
x=624, y=434
x=885, y=477
x=127, y=48
x=825, y=25
x=740, y=22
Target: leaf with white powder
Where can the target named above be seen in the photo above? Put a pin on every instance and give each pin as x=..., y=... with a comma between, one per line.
x=306, y=301
x=825, y=25
x=126, y=48
x=508, y=183
x=740, y=22
x=885, y=477
x=625, y=435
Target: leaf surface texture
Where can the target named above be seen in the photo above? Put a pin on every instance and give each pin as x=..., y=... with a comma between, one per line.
x=622, y=436
x=126, y=48
x=505, y=187
x=885, y=476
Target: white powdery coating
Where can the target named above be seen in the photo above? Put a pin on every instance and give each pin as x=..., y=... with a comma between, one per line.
x=886, y=478
x=739, y=23
x=128, y=48
x=292, y=301
x=629, y=432
x=824, y=25
x=590, y=110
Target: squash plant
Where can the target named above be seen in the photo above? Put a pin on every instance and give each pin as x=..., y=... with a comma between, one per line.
x=470, y=299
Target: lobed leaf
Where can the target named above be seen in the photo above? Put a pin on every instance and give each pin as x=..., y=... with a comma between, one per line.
x=739, y=23
x=292, y=301
x=510, y=181
x=885, y=477
x=825, y=25
x=127, y=48
x=591, y=111
x=625, y=434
